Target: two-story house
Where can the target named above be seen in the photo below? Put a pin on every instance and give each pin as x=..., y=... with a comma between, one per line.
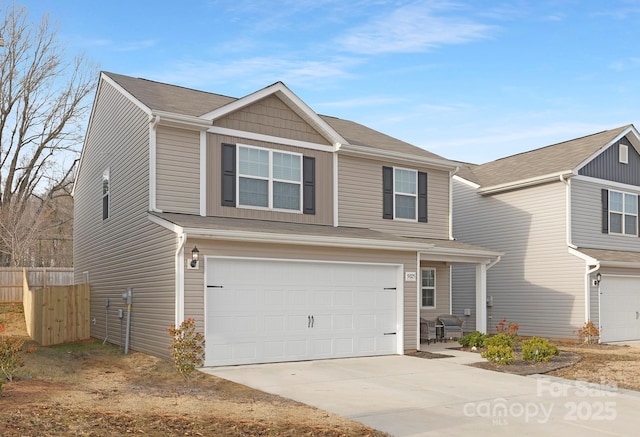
x=285, y=234
x=566, y=218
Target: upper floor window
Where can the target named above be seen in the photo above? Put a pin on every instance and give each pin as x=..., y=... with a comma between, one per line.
x=262, y=178
x=404, y=194
x=106, y=190
x=428, y=290
x=269, y=179
x=623, y=213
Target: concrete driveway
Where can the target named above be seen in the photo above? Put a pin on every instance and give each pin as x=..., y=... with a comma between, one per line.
x=408, y=396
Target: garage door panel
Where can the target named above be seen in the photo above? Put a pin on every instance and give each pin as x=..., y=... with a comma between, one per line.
x=620, y=308
x=269, y=311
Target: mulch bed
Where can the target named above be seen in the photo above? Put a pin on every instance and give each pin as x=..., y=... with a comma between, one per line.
x=519, y=366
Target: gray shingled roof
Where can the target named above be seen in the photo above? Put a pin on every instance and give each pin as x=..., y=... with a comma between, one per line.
x=546, y=160
x=171, y=98
x=612, y=256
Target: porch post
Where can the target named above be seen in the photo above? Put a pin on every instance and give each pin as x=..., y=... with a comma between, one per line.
x=481, y=297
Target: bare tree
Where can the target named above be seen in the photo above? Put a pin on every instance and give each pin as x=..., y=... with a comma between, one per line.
x=44, y=100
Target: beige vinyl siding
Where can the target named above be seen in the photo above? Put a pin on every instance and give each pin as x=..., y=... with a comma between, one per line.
x=324, y=184
x=442, y=290
x=270, y=116
x=360, y=199
x=537, y=284
x=586, y=218
x=126, y=250
x=178, y=170
x=194, y=279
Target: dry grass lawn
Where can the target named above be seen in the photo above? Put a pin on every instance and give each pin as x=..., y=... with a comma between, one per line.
x=92, y=389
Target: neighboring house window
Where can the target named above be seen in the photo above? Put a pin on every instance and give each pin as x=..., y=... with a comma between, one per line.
x=404, y=194
x=620, y=212
x=106, y=190
x=271, y=179
x=428, y=296
x=623, y=154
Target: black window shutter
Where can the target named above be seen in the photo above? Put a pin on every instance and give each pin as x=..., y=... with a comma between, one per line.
x=605, y=211
x=309, y=185
x=422, y=197
x=228, y=182
x=387, y=192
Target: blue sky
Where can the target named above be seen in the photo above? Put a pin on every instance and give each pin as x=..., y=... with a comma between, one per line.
x=469, y=80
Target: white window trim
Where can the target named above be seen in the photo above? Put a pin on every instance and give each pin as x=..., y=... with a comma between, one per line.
x=422, y=288
x=395, y=193
x=624, y=214
x=270, y=180
x=623, y=154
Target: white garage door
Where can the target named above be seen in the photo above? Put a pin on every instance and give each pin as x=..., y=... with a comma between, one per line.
x=260, y=311
x=620, y=308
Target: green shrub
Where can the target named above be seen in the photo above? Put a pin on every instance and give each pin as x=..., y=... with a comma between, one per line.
x=12, y=353
x=499, y=340
x=476, y=338
x=499, y=349
x=499, y=354
x=187, y=347
x=538, y=349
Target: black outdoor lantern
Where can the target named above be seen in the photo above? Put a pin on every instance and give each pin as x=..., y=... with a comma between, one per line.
x=195, y=256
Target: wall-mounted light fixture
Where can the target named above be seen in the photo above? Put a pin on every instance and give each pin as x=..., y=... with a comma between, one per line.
x=598, y=278
x=195, y=257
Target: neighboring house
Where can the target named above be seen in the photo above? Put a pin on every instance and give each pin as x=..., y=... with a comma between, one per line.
x=317, y=237
x=566, y=218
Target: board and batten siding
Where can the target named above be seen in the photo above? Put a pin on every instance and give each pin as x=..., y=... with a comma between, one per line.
x=271, y=116
x=537, y=284
x=125, y=250
x=360, y=199
x=323, y=187
x=586, y=217
x=178, y=170
x=195, y=286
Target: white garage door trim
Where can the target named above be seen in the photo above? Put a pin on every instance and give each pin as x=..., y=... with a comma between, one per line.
x=612, y=325
x=212, y=291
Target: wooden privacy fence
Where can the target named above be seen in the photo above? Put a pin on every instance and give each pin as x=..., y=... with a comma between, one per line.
x=56, y=314
x=11, y=280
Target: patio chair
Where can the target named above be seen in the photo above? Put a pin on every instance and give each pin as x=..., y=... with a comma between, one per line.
x=452, y=326
x=428, y=330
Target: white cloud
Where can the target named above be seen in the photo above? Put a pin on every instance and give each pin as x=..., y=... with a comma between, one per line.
x=252, y=73
x=413, y=28
x=361, y=102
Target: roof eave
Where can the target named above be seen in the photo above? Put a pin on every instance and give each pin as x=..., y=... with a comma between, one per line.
x=523, y=183
x=370, y=152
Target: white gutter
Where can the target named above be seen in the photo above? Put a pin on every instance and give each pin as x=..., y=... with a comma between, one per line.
x=310, y=240
x=525, y=182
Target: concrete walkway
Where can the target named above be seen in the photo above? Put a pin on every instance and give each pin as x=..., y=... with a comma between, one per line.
x=407, y=396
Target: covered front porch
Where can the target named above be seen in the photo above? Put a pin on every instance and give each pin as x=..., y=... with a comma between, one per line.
x=444, y=315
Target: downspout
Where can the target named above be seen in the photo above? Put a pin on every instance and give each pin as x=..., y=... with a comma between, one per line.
x=179, y=268
x=567, y=183
x=153, y=124
x=452, y=173
x=494, y=262
x=587, y=293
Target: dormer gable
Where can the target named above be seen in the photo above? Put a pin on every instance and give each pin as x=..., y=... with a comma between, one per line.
x=237, y=115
